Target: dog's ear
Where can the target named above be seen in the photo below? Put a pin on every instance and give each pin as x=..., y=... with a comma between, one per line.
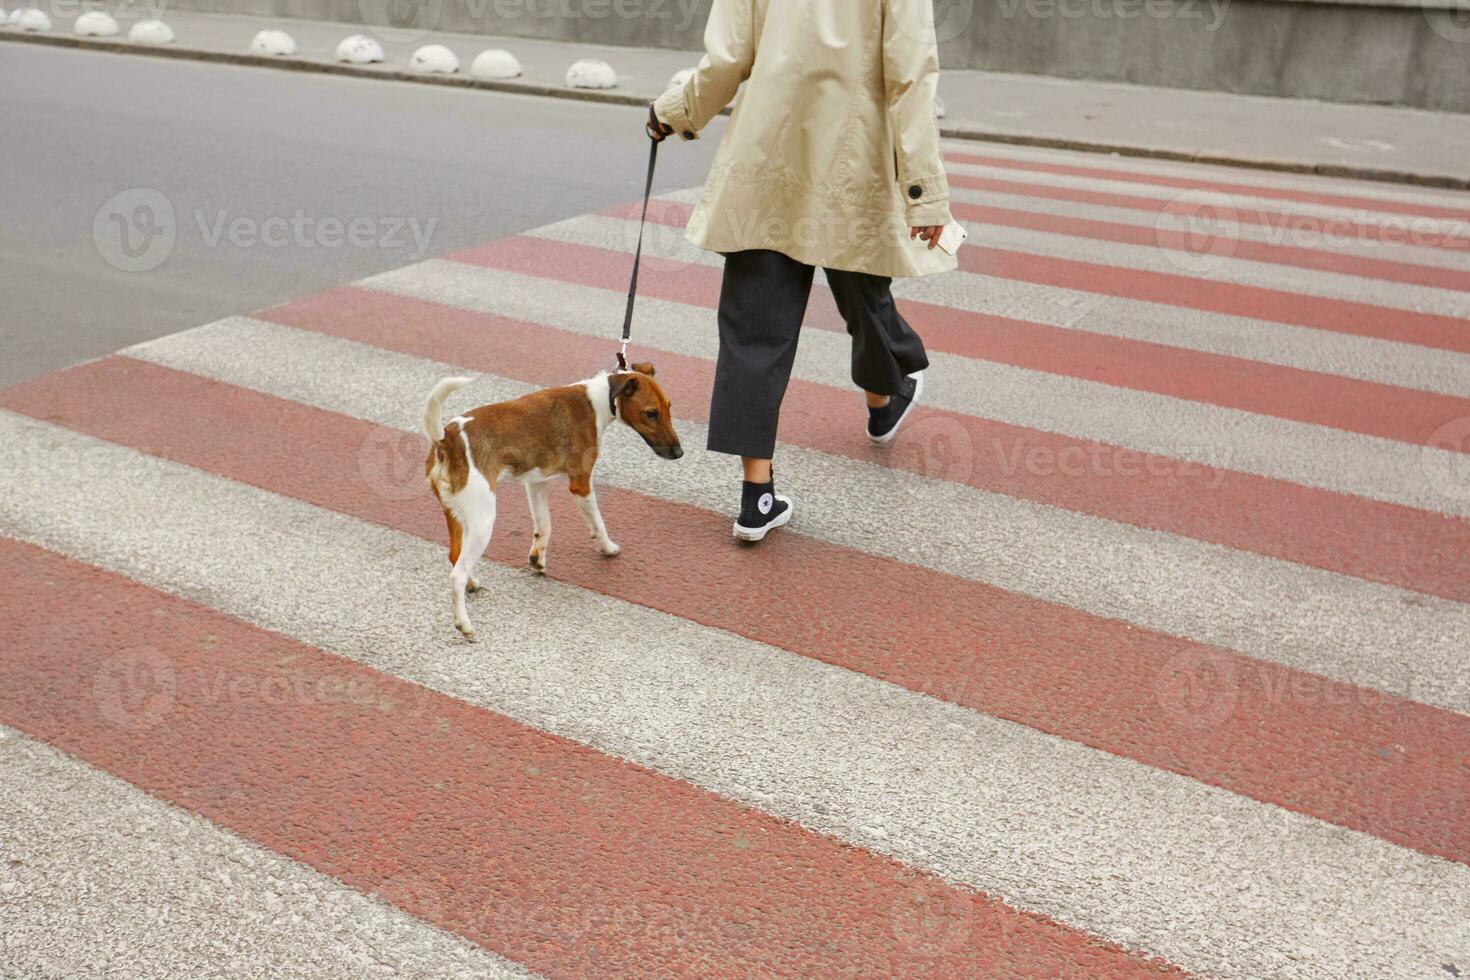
x=621, y=386
x=643, y=367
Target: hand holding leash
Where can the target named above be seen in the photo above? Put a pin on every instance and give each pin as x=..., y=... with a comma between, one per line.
x=657, y=131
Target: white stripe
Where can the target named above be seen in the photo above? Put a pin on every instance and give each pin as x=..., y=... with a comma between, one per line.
x=1338, y=218
x=1208, y=174
x=1329, y=218
x=1092, y=839
x=1334, y=625
x=1205, y=435
x=102, y=879
x=1313, y=239
x=1363, y=358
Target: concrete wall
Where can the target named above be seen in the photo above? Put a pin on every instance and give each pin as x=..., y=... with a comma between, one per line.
x=1343, y=52
x=1404, y=52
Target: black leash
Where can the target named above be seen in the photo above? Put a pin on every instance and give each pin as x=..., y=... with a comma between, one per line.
x=637, y=255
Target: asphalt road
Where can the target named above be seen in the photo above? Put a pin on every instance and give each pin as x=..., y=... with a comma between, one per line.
x=275, y=185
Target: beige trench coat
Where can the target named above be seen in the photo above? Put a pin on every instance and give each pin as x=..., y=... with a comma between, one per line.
x=832, y=153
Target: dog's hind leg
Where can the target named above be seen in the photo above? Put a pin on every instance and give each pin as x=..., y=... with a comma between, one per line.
x=477, y=510
x=587, y=504
x=456, y=539
x=540, y=503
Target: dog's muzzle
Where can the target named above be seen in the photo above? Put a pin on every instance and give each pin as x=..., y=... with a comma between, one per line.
x=669, y=452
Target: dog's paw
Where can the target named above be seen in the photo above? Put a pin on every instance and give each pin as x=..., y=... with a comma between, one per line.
x=609, y=548
x=466, y=630
x=472, y=586
x=537, y=562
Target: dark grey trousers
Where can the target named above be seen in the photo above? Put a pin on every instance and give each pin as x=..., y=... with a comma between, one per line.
x=762, y=303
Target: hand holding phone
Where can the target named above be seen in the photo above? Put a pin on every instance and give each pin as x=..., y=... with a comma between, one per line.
x=953, y=237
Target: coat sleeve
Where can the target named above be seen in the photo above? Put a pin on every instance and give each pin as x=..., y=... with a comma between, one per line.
x=910, y=83
x=729, y=44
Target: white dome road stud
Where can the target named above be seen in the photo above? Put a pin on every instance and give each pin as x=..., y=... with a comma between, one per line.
x=273, y=42
x=495, y=63
x=30, y=19
x=591, y=73
x=359, y=49
x=434, y=59
x=95, y=23
x=151, y=32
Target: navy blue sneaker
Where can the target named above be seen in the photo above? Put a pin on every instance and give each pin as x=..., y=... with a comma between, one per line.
x=762, y=510
x=883, y=423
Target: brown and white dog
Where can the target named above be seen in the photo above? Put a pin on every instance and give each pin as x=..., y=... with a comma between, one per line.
x=537, y=438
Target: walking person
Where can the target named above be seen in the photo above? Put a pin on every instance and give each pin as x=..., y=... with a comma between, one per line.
x=830, y=159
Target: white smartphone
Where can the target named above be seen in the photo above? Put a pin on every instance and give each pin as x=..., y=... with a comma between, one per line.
x=952, y=237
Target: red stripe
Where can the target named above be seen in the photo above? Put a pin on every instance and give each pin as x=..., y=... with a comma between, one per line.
x=1278, y=224
x=1217, y=184
x=538, y=848
x=1384, y=542
x=1387, y=411
x=1230, y=299
x=1218, y=246
x=1280, y=735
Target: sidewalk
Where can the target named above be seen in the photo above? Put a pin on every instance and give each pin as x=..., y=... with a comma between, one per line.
x=1371, y=142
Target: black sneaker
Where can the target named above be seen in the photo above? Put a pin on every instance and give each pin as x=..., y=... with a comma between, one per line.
x=883, y=423
x=761, y=510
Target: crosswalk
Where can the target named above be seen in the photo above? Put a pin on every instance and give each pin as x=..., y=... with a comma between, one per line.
x=1142, y=651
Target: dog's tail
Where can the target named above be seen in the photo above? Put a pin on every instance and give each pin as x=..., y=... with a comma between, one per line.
x=434, y=409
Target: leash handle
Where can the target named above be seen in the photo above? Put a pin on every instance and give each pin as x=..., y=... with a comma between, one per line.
x=637, y=257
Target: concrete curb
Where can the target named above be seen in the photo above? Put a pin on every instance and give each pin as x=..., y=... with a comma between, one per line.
x=1351, y=171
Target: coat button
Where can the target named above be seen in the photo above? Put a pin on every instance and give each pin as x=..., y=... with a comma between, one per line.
x=916, y=192
x=688, y=134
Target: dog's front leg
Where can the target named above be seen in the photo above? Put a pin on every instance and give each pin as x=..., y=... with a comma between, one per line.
x=587, y=504
x=539, y=500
